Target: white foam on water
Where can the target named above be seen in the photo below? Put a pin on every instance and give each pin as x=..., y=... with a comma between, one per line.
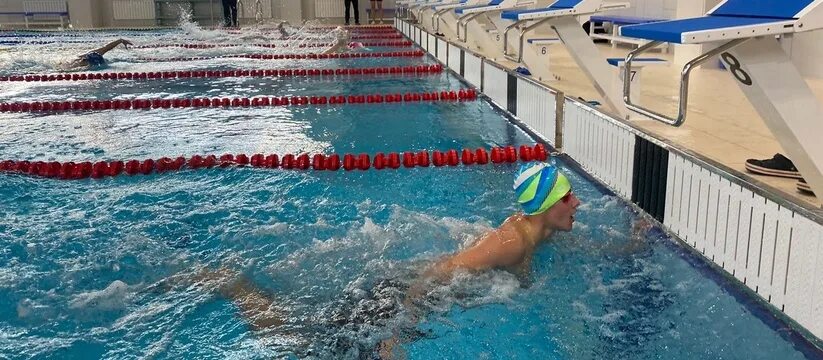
x=114, y=296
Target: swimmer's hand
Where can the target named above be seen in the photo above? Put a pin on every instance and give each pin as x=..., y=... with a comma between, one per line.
x=390, y=349
x=125, y=43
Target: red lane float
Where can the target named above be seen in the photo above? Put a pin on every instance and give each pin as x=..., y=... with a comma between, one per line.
x=416, y=53
x=319, y=162
x=420, y=69
x=271, y=46
x=135, y=104
x=380, y=35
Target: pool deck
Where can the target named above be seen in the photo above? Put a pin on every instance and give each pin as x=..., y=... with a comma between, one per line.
x=722, y=125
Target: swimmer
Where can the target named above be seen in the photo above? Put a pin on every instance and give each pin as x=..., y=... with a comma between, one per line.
x=282, y=28
x=94, y=58
x=548, y=203
x=342, y=42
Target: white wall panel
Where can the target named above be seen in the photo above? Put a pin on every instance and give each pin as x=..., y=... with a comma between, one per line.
x=493, y=75
x=133, y=9
x=454, y=58
x=442, y=50
x=328, y=9
x=536, y=108
x=473, y=69
x=780, y=264
x=598, y=144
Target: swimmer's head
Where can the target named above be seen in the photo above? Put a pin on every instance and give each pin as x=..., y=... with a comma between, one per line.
x=342, y=34
x=542, y=190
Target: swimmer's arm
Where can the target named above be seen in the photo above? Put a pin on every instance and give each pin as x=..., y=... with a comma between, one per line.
x=255, y=305
x=106, y=48
x=499, y=248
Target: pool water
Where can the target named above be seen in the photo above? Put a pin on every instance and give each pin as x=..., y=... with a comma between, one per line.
x=84, y=265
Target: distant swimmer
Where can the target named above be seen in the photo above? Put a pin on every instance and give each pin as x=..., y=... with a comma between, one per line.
x=94, y=58
x=343, y=43
x=282, y=28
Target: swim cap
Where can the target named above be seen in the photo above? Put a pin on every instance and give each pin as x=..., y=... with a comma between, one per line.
x=538, y=186
x=94, y=59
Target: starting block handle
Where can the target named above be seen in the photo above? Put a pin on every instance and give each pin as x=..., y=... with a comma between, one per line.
x=684, y=82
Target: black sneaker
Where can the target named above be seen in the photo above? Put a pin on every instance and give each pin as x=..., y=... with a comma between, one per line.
x=804, y=187
x=778, y=165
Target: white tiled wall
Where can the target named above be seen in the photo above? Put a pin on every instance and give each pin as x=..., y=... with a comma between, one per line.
x=603, y=148
x=773, y=250
x=472, y=69
x=496, y=88
x=536, y=108
x=454, y=58
x=442, y=50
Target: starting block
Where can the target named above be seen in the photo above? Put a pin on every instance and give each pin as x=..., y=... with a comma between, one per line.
x=538, y=53
x=636, y=76
x=747, y=31
x=563, y=17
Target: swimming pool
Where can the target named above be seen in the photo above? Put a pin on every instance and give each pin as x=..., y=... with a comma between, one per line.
x=335, y=249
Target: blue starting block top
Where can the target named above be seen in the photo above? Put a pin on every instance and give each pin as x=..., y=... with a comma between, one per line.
x=676, y=31
x=624, y=20
x=557, y=5
x=445, y=3
x=778, y=9
x=617, y=61
x=491, y=3
x=733, y=19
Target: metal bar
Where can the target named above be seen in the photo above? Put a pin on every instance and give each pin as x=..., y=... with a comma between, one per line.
x=438, y=14
x=684, y=81
x=506, y=39
x=463, y=21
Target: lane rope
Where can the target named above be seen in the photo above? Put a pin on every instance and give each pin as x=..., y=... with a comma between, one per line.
x=137, y=104
x=304, y=161
x=155, y=75
x=272, y=46
x=358, y=55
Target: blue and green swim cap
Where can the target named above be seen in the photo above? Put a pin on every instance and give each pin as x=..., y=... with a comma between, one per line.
x=538, y=186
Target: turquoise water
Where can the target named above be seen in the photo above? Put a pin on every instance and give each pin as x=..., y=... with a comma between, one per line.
x=83, y=263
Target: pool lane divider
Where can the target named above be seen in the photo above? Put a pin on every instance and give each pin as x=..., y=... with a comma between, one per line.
x=271, y=46
x=420, y=70
x=317, y=162
x=136, y=104
x=366, y=36
x=357, y=55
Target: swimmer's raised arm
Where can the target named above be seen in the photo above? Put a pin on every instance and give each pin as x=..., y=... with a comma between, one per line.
x=108, y=47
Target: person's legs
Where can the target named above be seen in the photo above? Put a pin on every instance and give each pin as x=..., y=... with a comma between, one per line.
x=380, y=10
x=356, y=12
x=234, y=13
x=348, y=4
x=373, y=17
x=227, y=12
